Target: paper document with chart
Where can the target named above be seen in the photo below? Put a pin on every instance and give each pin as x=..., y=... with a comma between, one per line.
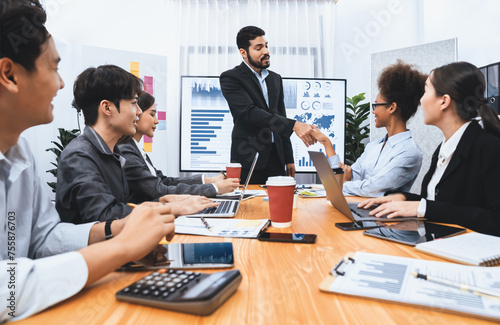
x=240, y=228
x=390, y=278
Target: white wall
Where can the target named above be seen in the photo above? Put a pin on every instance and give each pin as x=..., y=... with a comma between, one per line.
x=364, y=27
x=476, y=24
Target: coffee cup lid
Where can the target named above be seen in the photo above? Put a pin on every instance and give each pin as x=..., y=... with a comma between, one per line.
x=233, y=165
x=280, y=181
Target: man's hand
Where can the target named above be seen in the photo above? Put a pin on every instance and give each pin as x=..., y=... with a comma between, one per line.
x=145, y=226
x=347, y=171
x=192, y=205
x=304, y=131
x=169, y=198
x=290, y=170
x=215, y=179
x=227, y=185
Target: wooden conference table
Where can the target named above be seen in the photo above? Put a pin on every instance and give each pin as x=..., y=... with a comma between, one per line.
x=280, y=281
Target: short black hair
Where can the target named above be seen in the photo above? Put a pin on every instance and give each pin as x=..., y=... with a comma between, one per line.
x=145, y=101
x=106, y=82
x=22, y=31
x=246, y=34
x=402, y=84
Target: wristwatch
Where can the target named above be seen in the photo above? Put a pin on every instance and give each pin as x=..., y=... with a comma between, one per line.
x=107, y=229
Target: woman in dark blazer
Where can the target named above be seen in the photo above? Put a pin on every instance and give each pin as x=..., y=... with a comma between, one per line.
x=146, y=183
x=462, y=185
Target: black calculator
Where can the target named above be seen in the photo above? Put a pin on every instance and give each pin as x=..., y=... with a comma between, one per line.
x=182, y=291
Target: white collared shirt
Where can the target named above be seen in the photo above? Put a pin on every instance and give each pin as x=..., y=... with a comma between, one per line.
x=383, y=167
x=38, y=233
x=263, y=86
x=446, y=152
x=143, y=153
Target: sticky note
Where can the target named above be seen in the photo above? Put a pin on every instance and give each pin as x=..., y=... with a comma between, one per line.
x=148, y=85
x=148, y=147
x=134, y=68
x=162, y=125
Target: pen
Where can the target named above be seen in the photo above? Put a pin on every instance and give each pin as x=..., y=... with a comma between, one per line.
x=132, y=205
x=461, y=286
x=223, y=174
x=205, y=223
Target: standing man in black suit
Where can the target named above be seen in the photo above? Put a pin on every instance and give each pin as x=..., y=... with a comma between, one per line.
x=255, y=97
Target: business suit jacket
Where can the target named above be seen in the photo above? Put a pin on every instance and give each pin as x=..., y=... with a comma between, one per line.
x=468, y=193
x=145, y=186
x=254, y=121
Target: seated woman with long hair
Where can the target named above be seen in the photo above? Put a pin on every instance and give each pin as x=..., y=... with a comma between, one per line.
x=462, y=185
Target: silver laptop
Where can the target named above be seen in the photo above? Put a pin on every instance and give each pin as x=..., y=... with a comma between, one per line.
x=336, y=197
x=227, y=207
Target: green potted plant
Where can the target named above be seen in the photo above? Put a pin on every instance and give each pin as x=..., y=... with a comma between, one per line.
x=356, y=115
x=65, y=137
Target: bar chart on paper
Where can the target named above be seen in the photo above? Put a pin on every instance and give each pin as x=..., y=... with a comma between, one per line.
x=389, y=278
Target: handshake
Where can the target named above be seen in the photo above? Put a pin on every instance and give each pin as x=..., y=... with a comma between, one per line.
x=309, y=134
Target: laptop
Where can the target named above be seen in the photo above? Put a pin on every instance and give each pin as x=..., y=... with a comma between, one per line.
x=336, y=197
x=227, y=207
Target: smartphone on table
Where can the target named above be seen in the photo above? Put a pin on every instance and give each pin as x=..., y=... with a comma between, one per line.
x=287, y=238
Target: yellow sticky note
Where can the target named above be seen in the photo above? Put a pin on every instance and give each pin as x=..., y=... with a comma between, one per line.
x=148, y=147
x=308, y=193
x=134, y=68
x=248, y=223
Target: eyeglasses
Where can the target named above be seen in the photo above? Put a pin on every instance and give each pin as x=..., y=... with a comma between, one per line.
x=374, y=105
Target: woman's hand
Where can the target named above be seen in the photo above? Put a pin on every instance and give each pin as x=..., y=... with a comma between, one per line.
x=380, y=200
x=396, y=209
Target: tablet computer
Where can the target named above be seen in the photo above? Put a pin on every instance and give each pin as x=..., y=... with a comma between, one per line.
x=413, y=232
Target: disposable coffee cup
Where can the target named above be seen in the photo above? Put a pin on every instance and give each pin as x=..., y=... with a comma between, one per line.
x=280, y=190
x=339, y=176
x=233, y=170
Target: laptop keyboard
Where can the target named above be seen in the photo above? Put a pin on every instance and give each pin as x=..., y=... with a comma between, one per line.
x=223, y=208
x=362, y=213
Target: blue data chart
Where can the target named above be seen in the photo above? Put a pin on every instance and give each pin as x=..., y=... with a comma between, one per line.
x=206, y=125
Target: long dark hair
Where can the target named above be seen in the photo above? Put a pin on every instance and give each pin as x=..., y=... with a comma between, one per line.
x=145, y=101
x=465, y=85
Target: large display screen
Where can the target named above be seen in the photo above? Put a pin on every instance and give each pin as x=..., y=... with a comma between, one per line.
x=207, y=123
